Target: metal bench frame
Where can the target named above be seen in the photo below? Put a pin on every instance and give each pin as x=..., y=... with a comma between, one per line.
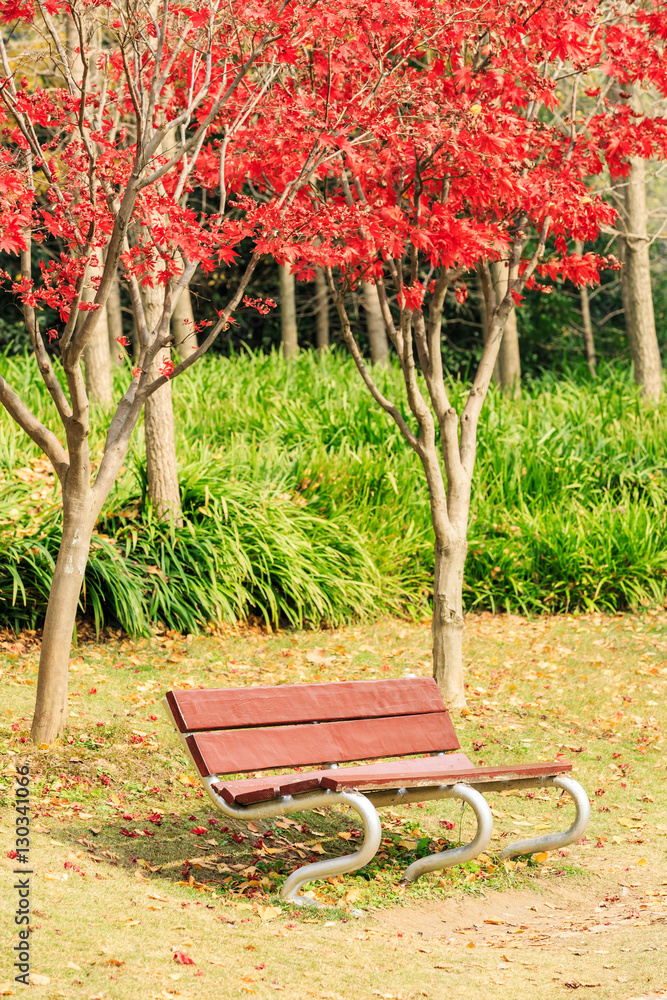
x=366, y=805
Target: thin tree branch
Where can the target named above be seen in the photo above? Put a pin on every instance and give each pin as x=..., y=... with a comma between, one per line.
x=40, y=434
x=355, y=351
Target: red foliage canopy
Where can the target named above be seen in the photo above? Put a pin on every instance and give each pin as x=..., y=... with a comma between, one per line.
x=345, y=136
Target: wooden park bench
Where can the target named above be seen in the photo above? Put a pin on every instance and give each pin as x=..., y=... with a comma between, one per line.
x=241, y=731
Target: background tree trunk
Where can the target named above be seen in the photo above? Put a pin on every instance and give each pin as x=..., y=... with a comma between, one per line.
x=115, y=324
x=51, y=703
x=288, y=329
x=507, y=370
x=629, y=194
x=183, y=325
x=97, y=356
x=159, y=430
x=322, y=307
x=636, y=281
x=375, y=328
x=589, y=340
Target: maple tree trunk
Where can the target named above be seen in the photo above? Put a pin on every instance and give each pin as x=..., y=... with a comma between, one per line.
x=115, y=324
x=375, y=328
x=636, y=284
x=507, y=370
x=159, y=430
x=288, y=330
x=183, y=325
x=447, y=624
x=322, y=307
x=51, y=702
x=450, y=550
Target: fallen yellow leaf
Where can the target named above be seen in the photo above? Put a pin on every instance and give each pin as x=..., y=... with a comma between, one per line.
x=38, y=980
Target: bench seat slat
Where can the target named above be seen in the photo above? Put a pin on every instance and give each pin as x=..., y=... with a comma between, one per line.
x=383, y=775
x=248, y=790
x=235, y=708
x=405, y=773
x=237, y=750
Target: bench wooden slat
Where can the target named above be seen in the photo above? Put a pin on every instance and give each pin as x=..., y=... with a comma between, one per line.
x=379, y=775
x=235, y=708
x=237, y=750
x=405, y=773
x=248, y=790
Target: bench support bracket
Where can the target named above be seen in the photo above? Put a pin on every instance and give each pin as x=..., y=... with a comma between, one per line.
x=458, y=855
x=338, y=866
x=552, y=841
x=322, y=799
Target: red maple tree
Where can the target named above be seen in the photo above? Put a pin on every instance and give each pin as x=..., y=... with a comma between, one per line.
x=478, y=145
x=113, y=116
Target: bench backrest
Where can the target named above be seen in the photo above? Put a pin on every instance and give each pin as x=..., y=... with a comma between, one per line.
x=234, y=730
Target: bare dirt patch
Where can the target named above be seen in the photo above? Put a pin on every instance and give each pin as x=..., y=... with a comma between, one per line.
x=612, y=903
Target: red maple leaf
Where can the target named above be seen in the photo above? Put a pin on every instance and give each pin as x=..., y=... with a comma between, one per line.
x=183, y=959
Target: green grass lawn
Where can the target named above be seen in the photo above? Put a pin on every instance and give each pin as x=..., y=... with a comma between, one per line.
x=132, y=866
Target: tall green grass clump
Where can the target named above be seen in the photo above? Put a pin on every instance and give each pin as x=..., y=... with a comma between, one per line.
x=303, y=504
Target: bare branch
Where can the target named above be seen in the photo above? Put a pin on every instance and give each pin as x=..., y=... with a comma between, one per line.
x=40, y=434
x=43, y=361
x=497, y=320
x=353, y=346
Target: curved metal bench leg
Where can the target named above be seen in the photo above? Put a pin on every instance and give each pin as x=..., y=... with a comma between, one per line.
x=320, y=798
x=338, y=866
x=552, y=841
x=466, y=852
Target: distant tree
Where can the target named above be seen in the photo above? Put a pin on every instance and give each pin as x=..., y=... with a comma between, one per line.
x=375, y=328
x=287, y=302
x=633, y=242
x=587, y=325
x=322, y=310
